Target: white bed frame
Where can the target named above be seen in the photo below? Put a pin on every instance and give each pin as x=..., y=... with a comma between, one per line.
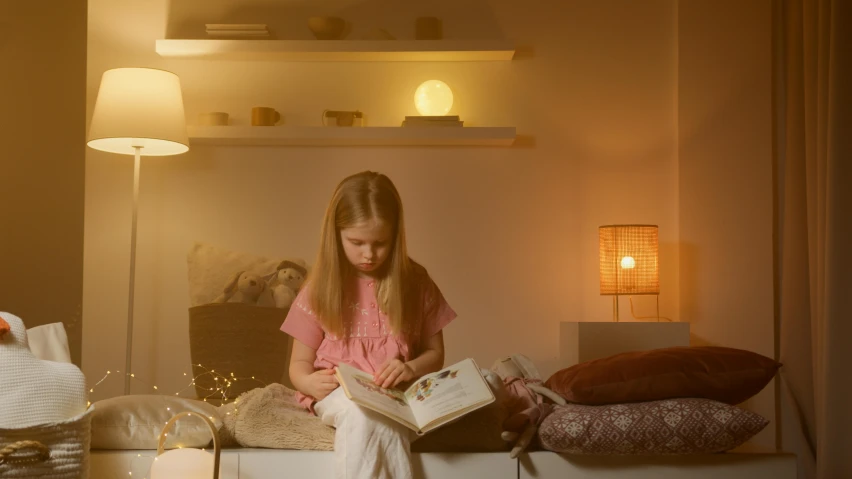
x=272, y=463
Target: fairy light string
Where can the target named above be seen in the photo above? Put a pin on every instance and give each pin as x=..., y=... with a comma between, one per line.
x=221, y=390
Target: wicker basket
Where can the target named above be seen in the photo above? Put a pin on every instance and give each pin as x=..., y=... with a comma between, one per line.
x=240, y=339
x=47, y=451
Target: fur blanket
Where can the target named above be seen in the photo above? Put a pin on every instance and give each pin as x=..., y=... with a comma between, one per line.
x=269, y=417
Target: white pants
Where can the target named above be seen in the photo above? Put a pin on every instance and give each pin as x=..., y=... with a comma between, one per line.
x=367, y=445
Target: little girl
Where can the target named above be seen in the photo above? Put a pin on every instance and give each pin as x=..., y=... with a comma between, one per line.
x=369, y=305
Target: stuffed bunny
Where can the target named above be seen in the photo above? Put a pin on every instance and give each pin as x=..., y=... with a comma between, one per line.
x=247, y=288
x=527, y=405
x=286, y=282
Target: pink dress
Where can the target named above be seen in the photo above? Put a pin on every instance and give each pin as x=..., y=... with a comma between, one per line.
x=367, y=341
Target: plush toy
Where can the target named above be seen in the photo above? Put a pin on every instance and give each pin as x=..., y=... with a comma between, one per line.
x=286, y=282
x=527, y=405
x=4, y=328
x=247, y=288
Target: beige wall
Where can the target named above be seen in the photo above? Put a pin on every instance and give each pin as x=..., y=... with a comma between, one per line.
x=42, y=130
x=725, y=179
x=606, y=95
x=510, y=234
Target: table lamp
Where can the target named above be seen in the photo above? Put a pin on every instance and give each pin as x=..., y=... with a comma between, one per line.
x=628, y=262
x=187, y=463
x=139, y=111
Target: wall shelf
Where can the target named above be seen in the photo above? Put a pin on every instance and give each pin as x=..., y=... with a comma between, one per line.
x=350, y=136
x=339, y=50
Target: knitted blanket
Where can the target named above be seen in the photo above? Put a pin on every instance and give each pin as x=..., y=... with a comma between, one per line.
x=269, y=417
x=33, y=391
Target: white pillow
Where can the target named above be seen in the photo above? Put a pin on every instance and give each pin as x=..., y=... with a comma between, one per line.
x=135, y=422
x=49, y=342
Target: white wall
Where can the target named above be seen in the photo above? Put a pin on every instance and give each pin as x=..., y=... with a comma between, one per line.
x=510, y=234
x=725, y=180
x=42, y=130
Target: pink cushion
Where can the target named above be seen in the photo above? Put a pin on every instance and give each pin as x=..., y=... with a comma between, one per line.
x=672, y=426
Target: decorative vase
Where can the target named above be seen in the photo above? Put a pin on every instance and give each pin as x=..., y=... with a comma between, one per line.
x=327, y=28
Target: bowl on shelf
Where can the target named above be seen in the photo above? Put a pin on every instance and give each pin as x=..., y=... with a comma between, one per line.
x=327, y=28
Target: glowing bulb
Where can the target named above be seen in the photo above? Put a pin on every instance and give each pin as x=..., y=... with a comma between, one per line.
x=628, y=262
x=433, y=98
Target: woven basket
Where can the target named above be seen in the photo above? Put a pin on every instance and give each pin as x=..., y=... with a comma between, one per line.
x=240, y=339
x=47, y=451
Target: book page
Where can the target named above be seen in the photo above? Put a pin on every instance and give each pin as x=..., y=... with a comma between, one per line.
x=360, y=388
x=445, y=392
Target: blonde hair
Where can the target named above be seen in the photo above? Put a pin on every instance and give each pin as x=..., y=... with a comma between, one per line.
x=360, y=198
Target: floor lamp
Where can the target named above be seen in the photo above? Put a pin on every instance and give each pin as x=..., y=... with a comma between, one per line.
x=139, y=111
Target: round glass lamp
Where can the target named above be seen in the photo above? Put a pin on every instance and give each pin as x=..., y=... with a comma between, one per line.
x=433, y=98
x=187, y=463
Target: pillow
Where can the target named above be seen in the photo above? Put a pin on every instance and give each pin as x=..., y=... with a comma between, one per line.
x=723, y=374
x=210, y=268
x=673, y=426
x=49, y=342
x=135, y=422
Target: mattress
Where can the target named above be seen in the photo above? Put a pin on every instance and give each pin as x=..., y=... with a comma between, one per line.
x=701, y=466
x=276, y=463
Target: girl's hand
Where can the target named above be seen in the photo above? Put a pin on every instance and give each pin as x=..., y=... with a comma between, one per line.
x=392, y=373
x=320, y=383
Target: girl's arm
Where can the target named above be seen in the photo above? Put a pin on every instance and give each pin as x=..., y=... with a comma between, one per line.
x=306, y=379
x=430, y=360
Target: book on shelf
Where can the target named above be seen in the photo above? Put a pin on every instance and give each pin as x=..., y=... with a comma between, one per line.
x=430, y=402
x=433, y=124
x=236, y=26
x=432, y=121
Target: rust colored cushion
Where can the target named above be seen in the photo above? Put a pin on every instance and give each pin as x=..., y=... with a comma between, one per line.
x=710, y=372
x=673, y=426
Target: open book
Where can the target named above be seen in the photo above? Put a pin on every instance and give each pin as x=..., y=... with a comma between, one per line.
x=432, y=401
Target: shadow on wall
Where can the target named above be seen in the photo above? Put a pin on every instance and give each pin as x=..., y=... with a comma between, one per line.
x=288, y=19
x=689, y=268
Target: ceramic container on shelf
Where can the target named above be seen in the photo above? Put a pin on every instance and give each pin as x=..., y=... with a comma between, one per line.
x=264, y=116
x=327, y=28
x=216, y=118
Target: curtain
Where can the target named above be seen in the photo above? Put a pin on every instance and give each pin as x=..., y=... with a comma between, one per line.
x=813, y=204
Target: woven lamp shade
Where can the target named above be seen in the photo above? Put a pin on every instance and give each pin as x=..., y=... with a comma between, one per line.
x=628, y=259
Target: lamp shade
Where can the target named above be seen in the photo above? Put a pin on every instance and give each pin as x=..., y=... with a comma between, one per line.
x=628, y=259
x=139, y=107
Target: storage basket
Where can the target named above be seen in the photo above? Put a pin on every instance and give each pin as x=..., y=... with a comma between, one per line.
x=241, y=339
x=47, y=451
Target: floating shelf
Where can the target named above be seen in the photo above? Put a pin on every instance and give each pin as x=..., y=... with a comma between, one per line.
x=351, y=136
x=340, y=50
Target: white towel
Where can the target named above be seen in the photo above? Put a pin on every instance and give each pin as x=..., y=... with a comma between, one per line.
x=49, y=342
x=33, y=391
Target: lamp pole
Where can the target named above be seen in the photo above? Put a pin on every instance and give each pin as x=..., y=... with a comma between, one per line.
x=129, y=350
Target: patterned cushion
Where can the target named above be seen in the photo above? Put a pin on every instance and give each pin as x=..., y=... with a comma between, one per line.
x=674, y=426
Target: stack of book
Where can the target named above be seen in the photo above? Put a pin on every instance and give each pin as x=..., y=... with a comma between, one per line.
x=237, y=30
x=432, y=121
